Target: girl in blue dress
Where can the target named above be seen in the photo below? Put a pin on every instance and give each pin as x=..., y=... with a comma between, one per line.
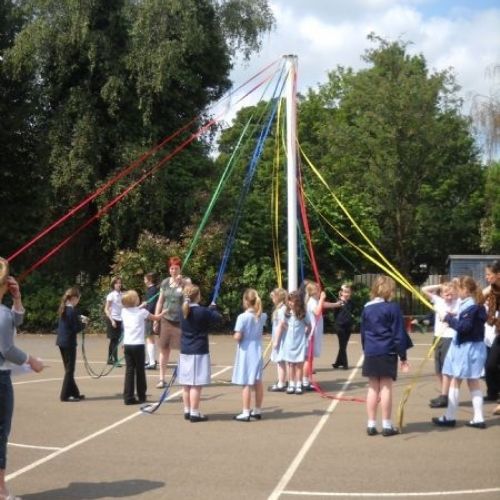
x=467, y=354
x=247, y=370
x=279, y=298
x=295, y=327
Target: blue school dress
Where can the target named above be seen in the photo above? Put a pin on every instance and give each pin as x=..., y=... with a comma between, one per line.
x=278, y=317
x=295, y=341
x=467, y=353
x=248, y=361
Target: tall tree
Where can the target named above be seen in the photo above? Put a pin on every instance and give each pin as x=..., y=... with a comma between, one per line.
x=397, y=143
x=117, y=76
x=23, y=176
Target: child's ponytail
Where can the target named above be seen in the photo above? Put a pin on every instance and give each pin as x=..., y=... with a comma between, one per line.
x=68, y=294
x=191, y=295
x=252, y=300
x=4, y=271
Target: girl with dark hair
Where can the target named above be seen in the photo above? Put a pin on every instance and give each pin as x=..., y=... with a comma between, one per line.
x=113, y=310
x=492, y=333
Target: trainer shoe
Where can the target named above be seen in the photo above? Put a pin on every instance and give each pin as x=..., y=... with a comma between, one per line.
x=242, y=417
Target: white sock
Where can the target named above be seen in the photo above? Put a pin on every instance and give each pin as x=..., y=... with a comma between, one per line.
x=187, y=409
x=477, y=404
x=291, y=384
x=257, y=411
x=195, y=413
x=151, y=354
x=298, y=384
x=372, y=423
x=387, y=424
x=245, y=412
x=281, y=384
x=305, y=381
x=453, y=400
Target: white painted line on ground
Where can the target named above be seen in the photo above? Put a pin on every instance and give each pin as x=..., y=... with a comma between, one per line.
x=32, y=446
x=287, y=476
x=60, y=451
x=390, y=495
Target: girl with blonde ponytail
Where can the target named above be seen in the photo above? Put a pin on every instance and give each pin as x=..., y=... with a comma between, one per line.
x=194, y=359
x=247, y=370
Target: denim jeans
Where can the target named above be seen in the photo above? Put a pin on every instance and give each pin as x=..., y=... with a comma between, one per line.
x=6, y=409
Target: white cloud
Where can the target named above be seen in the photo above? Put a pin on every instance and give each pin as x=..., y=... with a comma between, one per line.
x=325, y=34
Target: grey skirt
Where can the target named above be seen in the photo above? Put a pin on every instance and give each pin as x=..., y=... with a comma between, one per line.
x=194, y=369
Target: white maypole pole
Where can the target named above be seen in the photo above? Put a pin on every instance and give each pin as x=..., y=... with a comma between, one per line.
x=291, y=137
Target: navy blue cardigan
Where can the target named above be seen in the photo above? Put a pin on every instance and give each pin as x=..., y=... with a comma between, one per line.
x=194, y=329
x=469, y=325
x=382, y=330
x=68, y=327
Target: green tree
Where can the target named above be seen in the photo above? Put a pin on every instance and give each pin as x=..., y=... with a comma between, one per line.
x=490, y=224
x=114, y=78
x=23, y=177
x=397, y=145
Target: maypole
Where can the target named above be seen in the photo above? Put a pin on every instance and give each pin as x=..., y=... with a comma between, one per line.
x=291, y=138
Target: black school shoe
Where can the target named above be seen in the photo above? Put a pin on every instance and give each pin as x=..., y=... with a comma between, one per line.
x=390, y=431
x=439, y=402
x=476, y=425
x=371, y=431
x=198, y=418
x=132, y=402
x=443, y=422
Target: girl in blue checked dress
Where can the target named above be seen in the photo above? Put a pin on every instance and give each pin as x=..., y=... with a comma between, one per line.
x=248, y=362
x=279, y=298
x=467, y=354
x=295, y=327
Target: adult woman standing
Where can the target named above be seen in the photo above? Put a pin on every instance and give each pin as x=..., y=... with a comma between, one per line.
x=9, y=353
x=113, y=311
x=170, y=304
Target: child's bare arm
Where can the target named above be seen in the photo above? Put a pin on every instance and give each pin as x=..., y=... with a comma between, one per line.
x=155, y=317
x=237, y=336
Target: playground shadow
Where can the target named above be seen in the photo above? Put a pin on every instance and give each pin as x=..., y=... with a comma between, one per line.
x=276, y=414
x=91, y=491
x=413, y=429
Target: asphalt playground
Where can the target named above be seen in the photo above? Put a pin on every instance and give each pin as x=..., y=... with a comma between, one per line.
x=305, y=446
